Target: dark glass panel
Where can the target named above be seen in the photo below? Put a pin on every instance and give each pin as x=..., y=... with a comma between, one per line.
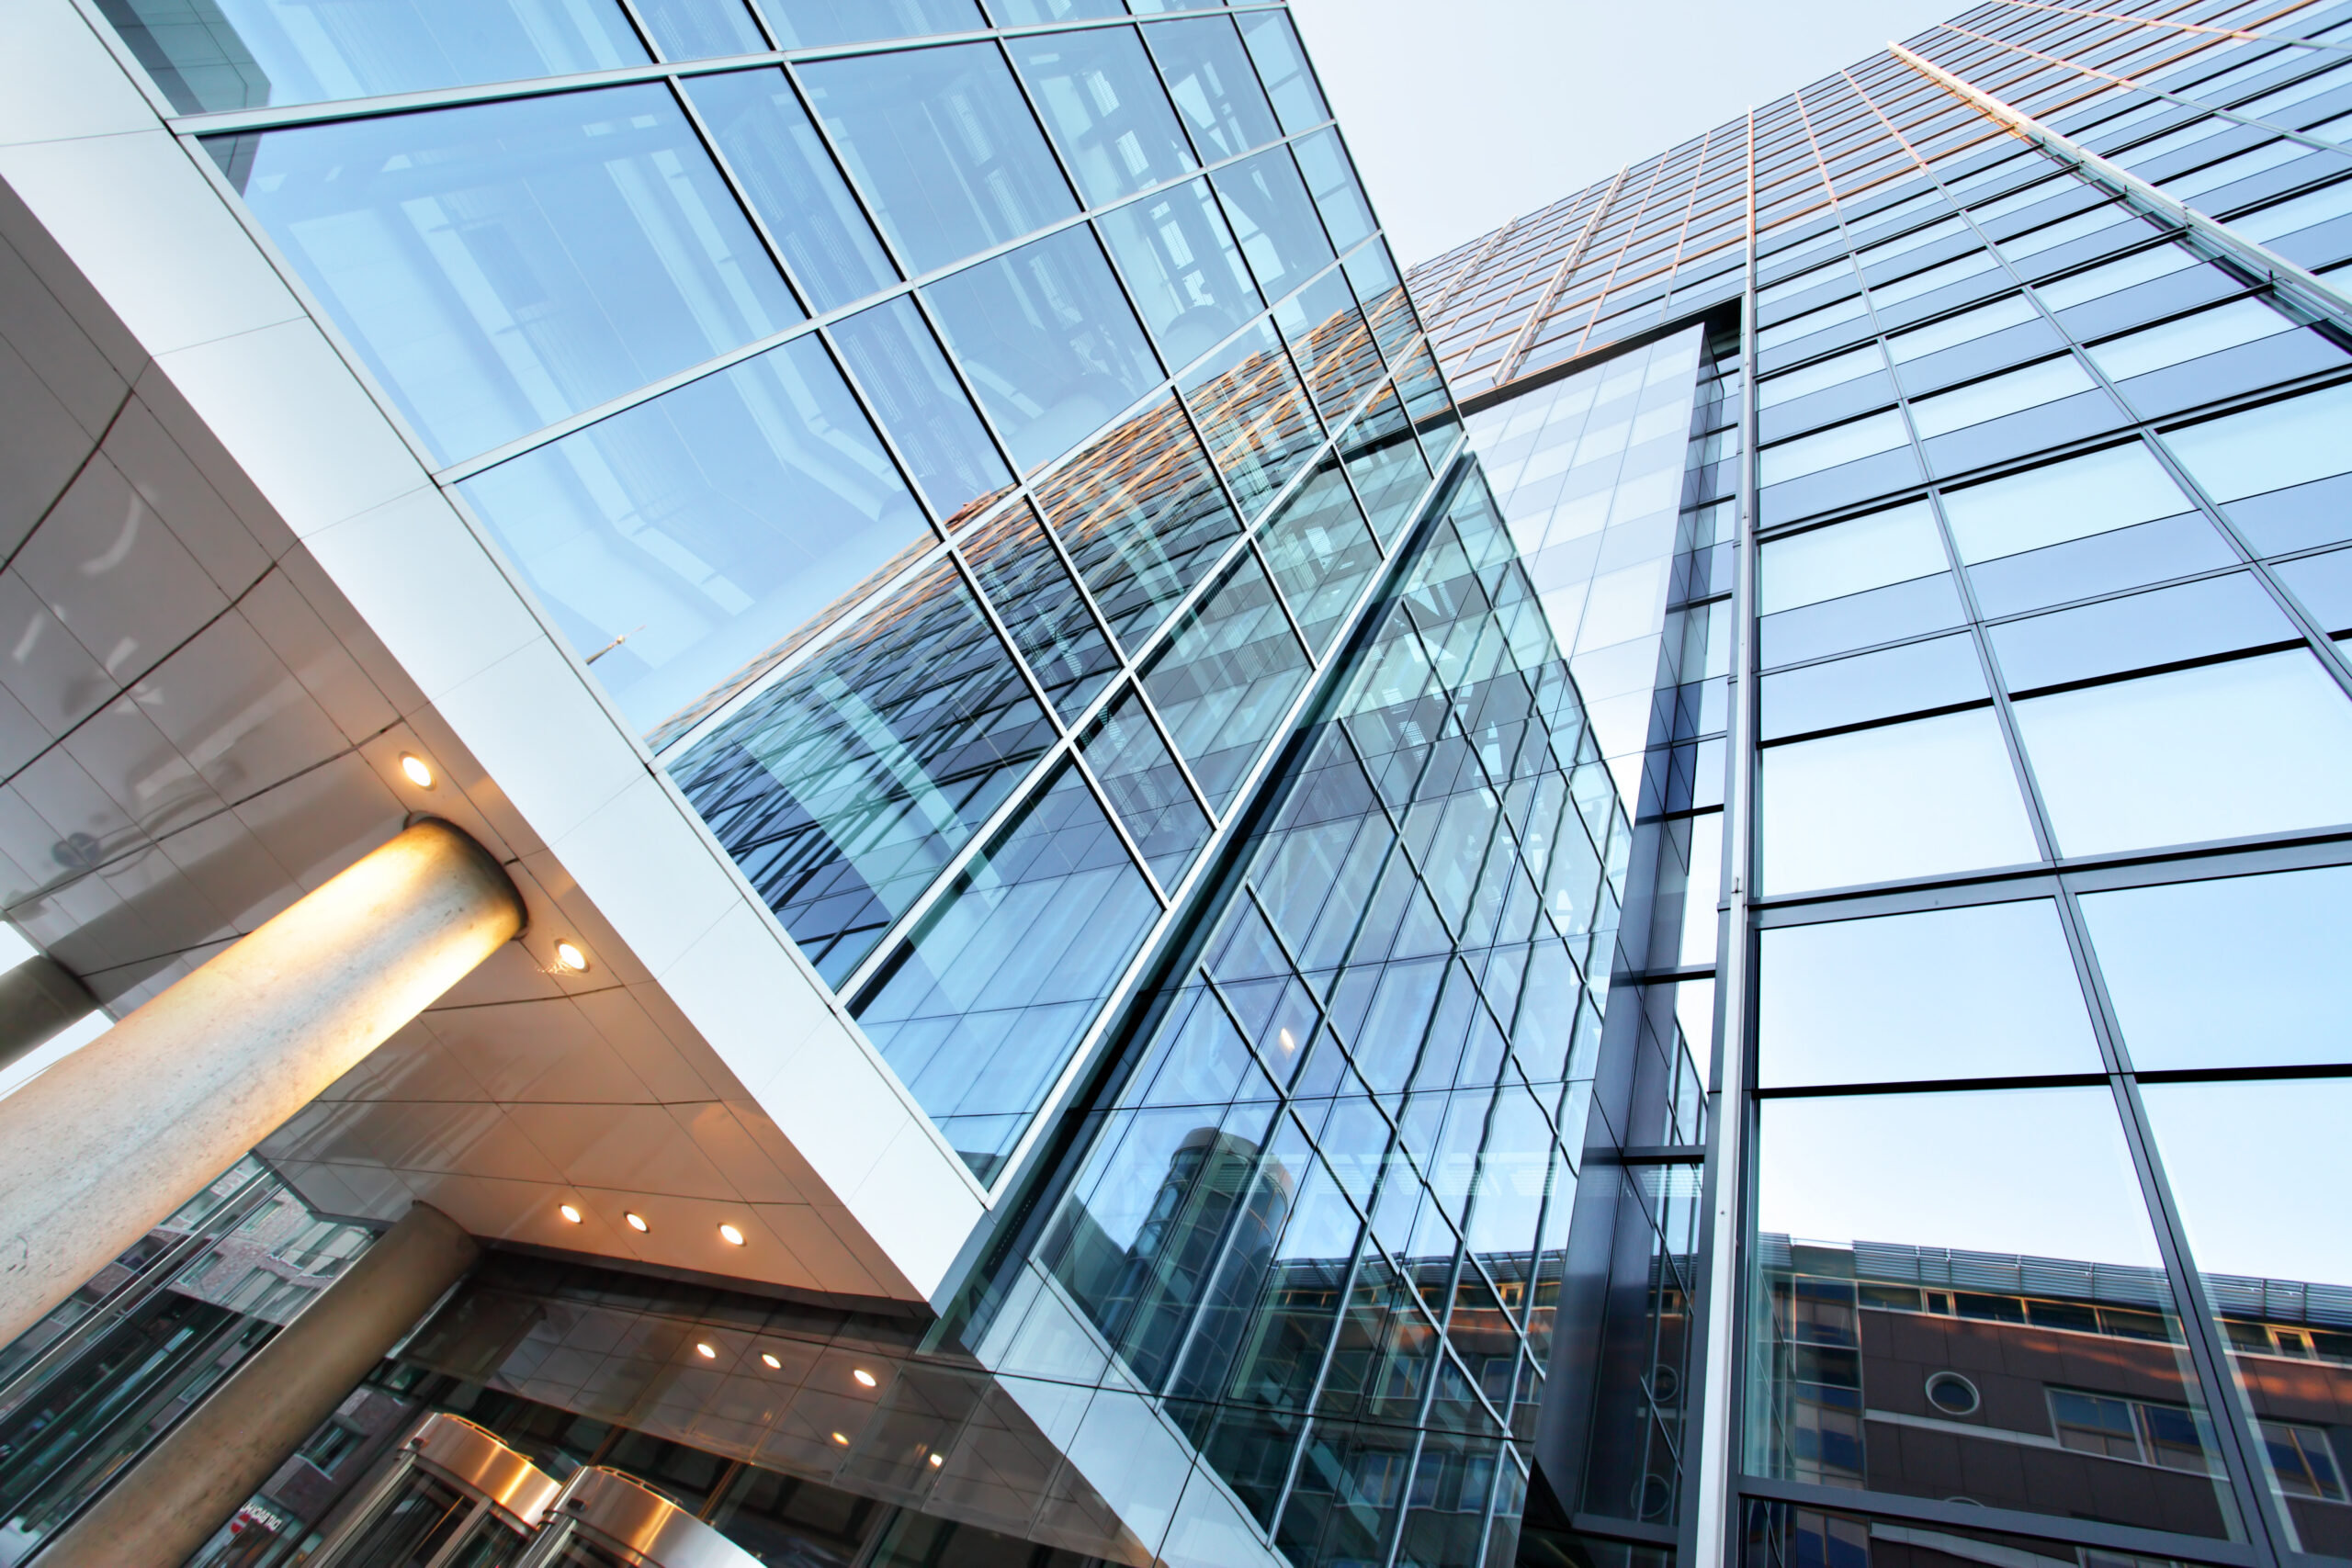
x=1913, y=678
x=1033, y=594
x=843, y=789
x=982, y=1007
x=2197, y=620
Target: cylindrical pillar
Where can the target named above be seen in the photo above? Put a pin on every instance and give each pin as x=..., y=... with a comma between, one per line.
x=189, y=1484
x=39, y=999
x=104, y=1145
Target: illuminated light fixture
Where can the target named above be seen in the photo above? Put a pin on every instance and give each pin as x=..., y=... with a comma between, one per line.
x=569, y=956
x=418, y=773
x=704, y=1351
x=936, y=1461
x=863, y=1376
x=568, y=1213
x=637, y=1222
x=730, y=1235
x=774, y=1365
x=1290, y=1042
x=842, y=1440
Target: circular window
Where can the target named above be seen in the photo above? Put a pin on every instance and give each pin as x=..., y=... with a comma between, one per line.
x=1953, y=1394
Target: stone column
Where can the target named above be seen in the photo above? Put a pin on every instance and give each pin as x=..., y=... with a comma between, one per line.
x=188, y=1486
x=39, y=999
x=102, y=1146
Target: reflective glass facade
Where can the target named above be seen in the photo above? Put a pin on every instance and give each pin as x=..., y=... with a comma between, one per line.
x=2035, y=732
x=1682, y=961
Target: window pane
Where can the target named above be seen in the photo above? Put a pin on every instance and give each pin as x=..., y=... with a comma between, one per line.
x=1274, y=221
x=1385, y=463
x=2255, y=1171
x=1372, y=273
x=1226, y=677
x=1209, y=74
x=1828, y=373
x=2100, y=282
x=1332, y=178
x=1282, y=66
x=943, y=145
x=2219, y=615
x=1839, y=444
x=1935, y=277
x=505, y=266
x=2254, y=462
x=704, y=527
x=792, y=183
x=1990, y=399
x=2180, y=962
x=896, y=359
x=1142, y=516
x=1966, y=327
x=1941, y=672
x=2114, y=488
x=1105, y=105
x=1998, y=1233
x=1333, y=347
x=1137, y=771
x=1987, y=991
x=1030, y=13
x=1321, y=552
x=701, y=29
x=1025, y=580
x=1936, y=795
x=247, y=53
x=803, y=23
x=1048, y=342
x=1255, y=415
x=1181, y=268
x=980, y=1010
x=1869, y=552
x=2253, y=746
x=2190, y=337
x=843, y=789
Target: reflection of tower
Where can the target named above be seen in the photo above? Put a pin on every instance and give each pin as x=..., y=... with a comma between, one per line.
x=1211, y=1210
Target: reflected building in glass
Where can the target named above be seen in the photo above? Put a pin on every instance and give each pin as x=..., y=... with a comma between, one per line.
x=1147, y=940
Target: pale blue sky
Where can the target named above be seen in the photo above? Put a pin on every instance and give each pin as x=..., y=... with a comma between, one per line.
x=1467, y=113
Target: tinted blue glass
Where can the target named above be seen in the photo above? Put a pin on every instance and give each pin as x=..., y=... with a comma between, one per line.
x=247, y=53
x=1282, y=68
x=1274, y=221
x=1135, y=770
x=1181, y=268
x=1321, y=552
x=505, y=266
x=1142, y=516
x=1209, y=74
x=895, y=358
x=1029, y=12
x=1025, y=580
x=1226, y=678
x=2196, y=619
x=1103, y=104
x=944, y=146
x=1332, y=179
x=800, y=23
x=702, y=528
x=1048, y=342
x=1333, y=346
x=701, y=29
x=1941, y=672
x=792, y=184
x=2323, y=583
x=1254, y=414
x=1386, y=464
x=980, y=1010
x=843, y=789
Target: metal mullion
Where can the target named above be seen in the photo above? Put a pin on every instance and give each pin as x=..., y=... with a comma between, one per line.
x=1110, y=810
x=939, y=341
x=1719, y=1303
x=760, y=20
x=644, y=33
x=1168, y=739
x=2066, y=1528
x=1037, y=692
x=2237, y=1435
x=1282, y=601
x=750, y=212
x=1037, y=120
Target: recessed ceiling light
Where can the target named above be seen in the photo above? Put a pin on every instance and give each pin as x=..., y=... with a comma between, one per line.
x=637, y=1222
x=703, y=1349
x=569, y=956
x=730, y=1235
x=936, y=1461
x=842, y=1440
x=774, y=1365
x=861, y=1375
x=567, y=1211
x=414, y=767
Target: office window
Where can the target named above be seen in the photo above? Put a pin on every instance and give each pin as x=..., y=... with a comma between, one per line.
x=2114, y=488
x=804, y=24
x=1934, y=794
x=1839, y=444
x=1321, y=552
x=1995, y=396
x=1183, y=269
x=701, y=29
x=1103, y=103
x=477, y=256
x=2189, y=337
x=2277, y=469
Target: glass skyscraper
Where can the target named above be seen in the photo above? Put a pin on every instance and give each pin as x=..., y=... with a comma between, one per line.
x=1142, y=938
